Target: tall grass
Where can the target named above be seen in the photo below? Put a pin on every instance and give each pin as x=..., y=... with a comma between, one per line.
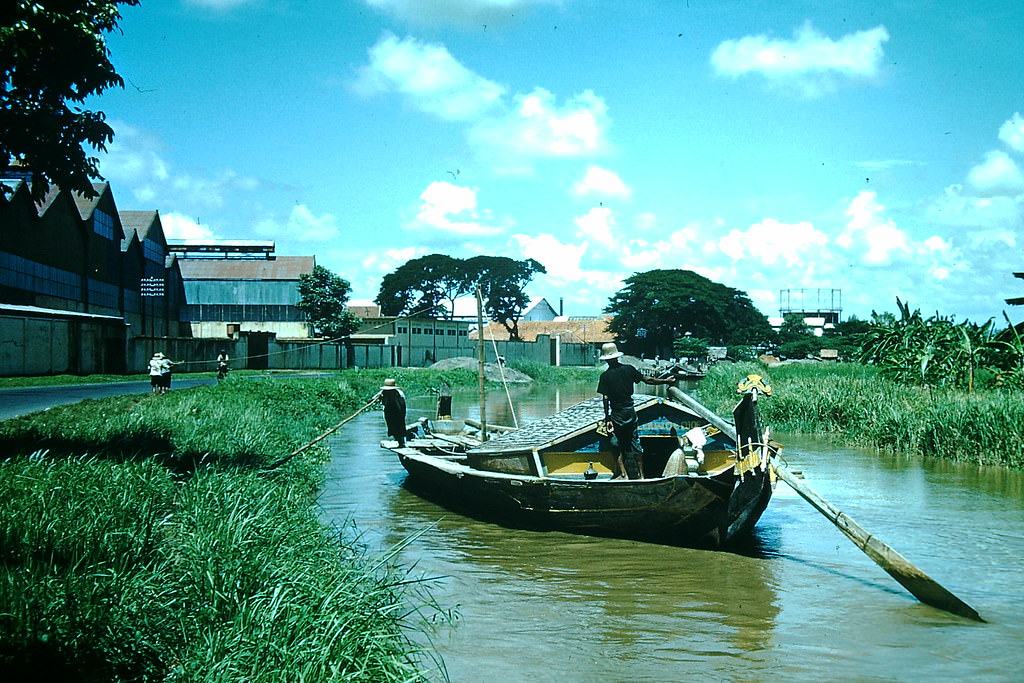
x=860, y=406
x=195, y=564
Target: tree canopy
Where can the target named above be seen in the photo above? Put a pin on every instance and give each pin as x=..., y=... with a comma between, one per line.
x=657, y=307
x=323, y=297
x=52, y=58
x=424, y=285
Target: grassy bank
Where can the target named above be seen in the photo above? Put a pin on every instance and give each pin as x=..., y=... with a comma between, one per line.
x=859, y=406
x=143, y=538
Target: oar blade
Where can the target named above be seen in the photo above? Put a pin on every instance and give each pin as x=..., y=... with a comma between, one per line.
x=919, y=584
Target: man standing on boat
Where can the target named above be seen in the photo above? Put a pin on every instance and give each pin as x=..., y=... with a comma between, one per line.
x=393, y=400
x=616, y=388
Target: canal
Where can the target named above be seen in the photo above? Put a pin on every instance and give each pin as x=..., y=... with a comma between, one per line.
x=798, y=603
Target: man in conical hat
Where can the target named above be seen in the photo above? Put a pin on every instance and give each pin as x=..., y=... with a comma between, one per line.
x=616, y=387
x=393, y=400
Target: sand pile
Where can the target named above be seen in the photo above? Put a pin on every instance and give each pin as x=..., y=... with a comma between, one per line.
x=492, y=373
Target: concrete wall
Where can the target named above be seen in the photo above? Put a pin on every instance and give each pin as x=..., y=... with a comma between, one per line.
x=196, y=355
x=53, y=346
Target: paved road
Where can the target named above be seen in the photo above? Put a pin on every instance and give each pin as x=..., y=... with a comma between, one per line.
x=25, y=400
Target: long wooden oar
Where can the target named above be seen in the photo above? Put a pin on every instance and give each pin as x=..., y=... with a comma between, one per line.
x=319, y=438
x=922, y=586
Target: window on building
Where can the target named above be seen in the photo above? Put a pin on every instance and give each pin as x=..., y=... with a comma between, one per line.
x=152, y=251
x=103, y=224
x=402, y=329
x=451, y=333
x=438, y=333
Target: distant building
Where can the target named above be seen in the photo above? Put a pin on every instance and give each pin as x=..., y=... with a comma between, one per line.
x=79, y=281
x=415, y=341
x=820, y=309
x=240, y=286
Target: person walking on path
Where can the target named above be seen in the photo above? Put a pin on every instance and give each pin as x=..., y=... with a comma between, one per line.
x=393, y=400
x=166, y=367
x=156, y=372
x=616, y=388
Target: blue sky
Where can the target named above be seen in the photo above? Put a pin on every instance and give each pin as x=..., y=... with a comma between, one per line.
x=871, y=147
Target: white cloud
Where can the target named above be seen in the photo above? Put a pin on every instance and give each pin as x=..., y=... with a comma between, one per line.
x=539, y=128
x=134, y=163
x=427, y=74
x=559, y=259
x=457, y=11
x=508, y=133
x=177, y=226
x=998, y=175
x=769, y=242
x=810, y=60
x=1012, y=132
x=598, y=224
x=601, y=181
x=219, y=5
x=452, y=209
x=871, y=234
x=302, y=225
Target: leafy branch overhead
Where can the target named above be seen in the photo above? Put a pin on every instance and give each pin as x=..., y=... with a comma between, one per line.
x=53, y=57
x=428, y=287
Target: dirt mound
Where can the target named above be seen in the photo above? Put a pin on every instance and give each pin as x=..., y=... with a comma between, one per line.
x=492, y=373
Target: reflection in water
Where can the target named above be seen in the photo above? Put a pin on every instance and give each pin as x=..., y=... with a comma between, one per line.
x=799, y=603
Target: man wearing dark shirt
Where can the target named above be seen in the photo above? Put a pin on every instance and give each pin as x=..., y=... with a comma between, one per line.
x=616, y=388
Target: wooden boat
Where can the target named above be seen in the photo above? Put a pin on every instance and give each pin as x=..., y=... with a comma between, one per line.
x=555, y=473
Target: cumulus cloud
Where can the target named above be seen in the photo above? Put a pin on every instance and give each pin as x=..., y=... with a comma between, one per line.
x=561, y=260
x=598, y=225
x=508, y=132
x=220, y=5
x=303, y=225
x=1012, y=132
x=811, y=60
x=429, y=77
x=770, y=241
x=455, y=11
x=134, y=162
x=998, y=175
x=872, y=234
x=452, y=209
x=601, y=181
x=178, y=226
x=539, y=128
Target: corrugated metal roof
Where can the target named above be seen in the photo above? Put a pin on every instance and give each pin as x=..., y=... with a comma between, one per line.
x=279, y=268
x=139, y=221
x=575, y=331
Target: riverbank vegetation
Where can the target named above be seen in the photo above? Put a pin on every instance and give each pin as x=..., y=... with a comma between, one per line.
x=148, y=537
x=862, y=404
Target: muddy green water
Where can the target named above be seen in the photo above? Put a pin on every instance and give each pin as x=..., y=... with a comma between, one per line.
x=800, y=603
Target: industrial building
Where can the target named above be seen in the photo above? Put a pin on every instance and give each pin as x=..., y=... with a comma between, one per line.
x=80, y=282
x=241, y=286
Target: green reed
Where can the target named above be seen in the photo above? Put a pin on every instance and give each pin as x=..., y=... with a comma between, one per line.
x=855, y=402
x=171, y=553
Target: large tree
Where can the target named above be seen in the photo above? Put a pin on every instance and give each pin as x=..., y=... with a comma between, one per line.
x=53, y=57
x=323, y=297
x=423, y=285
x=502, y=281
x=659, y=306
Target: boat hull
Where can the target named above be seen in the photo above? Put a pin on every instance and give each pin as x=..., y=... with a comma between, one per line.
x=680, y=510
